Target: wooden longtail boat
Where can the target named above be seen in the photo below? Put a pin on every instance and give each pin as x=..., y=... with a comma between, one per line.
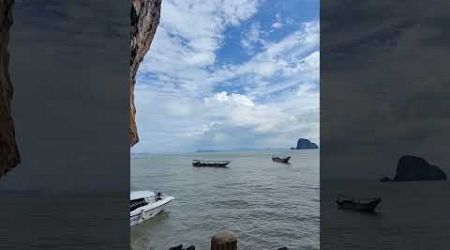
x=281, y=159
x=365, y=205
x=217, y=164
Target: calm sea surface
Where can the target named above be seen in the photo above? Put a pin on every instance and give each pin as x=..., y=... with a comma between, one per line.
x=269, y=205
x=412, y=215
x=64, y=223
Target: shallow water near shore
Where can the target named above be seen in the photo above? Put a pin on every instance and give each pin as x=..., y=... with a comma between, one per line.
x=268, y=204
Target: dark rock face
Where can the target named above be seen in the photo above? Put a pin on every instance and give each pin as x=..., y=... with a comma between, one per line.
x=9, y=153
x=144, y=16
x=303, y=143
x=385, y=179
x=412, y=168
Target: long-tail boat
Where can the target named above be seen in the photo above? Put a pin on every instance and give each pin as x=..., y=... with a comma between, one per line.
x=366, y=205
x=284, y=159
x=217, y=164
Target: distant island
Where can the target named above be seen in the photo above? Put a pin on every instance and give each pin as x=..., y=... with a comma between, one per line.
x=303, y=143
x=413, y=168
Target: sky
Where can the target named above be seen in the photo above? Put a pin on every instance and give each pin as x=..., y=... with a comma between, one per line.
x=223, y=75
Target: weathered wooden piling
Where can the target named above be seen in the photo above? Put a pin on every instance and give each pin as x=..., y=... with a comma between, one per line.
x=178, y=247
x=224, y=240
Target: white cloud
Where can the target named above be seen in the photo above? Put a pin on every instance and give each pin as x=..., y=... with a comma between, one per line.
x=253, y=37
x=277, y=24
x=293, y=59
x=240, y=111
x=181, y=101
x=187, y=38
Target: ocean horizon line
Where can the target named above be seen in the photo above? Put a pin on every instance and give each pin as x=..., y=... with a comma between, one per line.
x=208, y=151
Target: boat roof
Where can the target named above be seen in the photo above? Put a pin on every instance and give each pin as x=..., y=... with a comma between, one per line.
x=140, y=194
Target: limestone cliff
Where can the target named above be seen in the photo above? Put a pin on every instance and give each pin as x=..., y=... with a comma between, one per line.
x=303, y=143
x=413, y=168
x=144, y=21
x=9, y=154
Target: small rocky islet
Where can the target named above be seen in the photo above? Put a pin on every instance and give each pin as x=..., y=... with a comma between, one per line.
x=413, y=168
x=304, y=143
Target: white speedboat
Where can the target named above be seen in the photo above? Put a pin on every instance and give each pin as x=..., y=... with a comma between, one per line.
x=145, y=205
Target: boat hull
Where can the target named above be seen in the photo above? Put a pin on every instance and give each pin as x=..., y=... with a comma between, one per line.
x=281, y=160
x=210, y=164
x=149, y=211
x=145, y=215
x=357, y=206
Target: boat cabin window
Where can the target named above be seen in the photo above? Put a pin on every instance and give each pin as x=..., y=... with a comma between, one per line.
x=137, y=203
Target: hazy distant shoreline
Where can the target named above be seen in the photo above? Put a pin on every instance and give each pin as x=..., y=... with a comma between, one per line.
x=214, y=151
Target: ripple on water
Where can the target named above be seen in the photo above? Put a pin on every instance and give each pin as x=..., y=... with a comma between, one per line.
x=268, y=205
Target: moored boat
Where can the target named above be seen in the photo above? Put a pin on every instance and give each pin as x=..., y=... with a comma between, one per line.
x=283, y=159
x=365, y=205
x=145, y=205
x=217, y=164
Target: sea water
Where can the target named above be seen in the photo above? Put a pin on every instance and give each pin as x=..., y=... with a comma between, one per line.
x=267, y=204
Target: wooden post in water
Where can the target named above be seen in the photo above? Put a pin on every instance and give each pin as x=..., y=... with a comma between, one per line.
x=224, y=240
